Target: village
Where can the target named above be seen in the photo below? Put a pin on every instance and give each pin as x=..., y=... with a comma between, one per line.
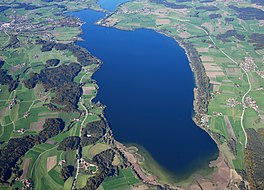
x=23, y=24
x=251, y=103
x=249, y=65
x=232, y=102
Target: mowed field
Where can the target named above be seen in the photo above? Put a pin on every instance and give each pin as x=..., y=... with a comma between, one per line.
x=42, y=160
x=125, y=180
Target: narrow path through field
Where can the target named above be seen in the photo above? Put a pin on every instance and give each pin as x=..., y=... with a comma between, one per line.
x=33, y=167
x=13, y=122
x=77, y=153
x=5, y=43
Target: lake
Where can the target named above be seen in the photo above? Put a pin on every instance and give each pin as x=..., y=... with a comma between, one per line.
x=147, y=85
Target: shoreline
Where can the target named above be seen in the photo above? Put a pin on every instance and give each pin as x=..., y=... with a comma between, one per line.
x=198, y=113
x=146, y=179
x=152, y=180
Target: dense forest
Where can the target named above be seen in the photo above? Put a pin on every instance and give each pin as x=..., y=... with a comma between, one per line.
x=13, y=42
x=6, y=79
x=206, y=1
x=207, y=8
x=254, y=158
x=66, y=172
x=104, y=162
x=230, y=33
x=52, y=62
x=170, y=5
x=10, y=154
x=258, y=2
x=214, y=16
x=202, y=81
x=93, y=132
x=83, y=56
x=257, y=40
x=248, y=13
x=60, y=81
x=70, y=143
x=51, y=128
x=228, y=20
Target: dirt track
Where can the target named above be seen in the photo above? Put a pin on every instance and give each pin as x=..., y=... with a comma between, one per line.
x=229, y=128
x=51, y=162
x=26, y=165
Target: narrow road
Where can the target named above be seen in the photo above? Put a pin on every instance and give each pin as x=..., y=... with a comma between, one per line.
x=77, y=153
x=80, y=135
x=249, y=82
x=244, y=96
x=18, y=119
x=5, y=43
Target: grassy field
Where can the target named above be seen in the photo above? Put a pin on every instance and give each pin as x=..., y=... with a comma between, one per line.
x=92, y=150
x=81, y=182
x=125, y=180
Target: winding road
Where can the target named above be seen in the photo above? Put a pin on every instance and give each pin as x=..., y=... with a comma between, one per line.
x=231, y=59
x=244, y=96
x=80, y=135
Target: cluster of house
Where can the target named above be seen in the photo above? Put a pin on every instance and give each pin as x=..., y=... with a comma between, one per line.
x=217, y=113
x=248, y=65
x=85, y=165
x=61, y=162
x=87, y=71
x=26, y=114
x=88, y=166
x=12, y=103
x=216, y=93
x=21, y=24
x=261, y=74
x=205, y=120
x=4, y=25
x=26, y=183
x=180, y=27
x=232, y=102
x=76, y=119
x=21, y=131
x=18, y=24
x=43, y=97
x=250, y=102
x=142, y=10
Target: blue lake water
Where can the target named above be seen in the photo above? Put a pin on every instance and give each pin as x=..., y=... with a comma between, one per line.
x=147, y=85
x=110, y=5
